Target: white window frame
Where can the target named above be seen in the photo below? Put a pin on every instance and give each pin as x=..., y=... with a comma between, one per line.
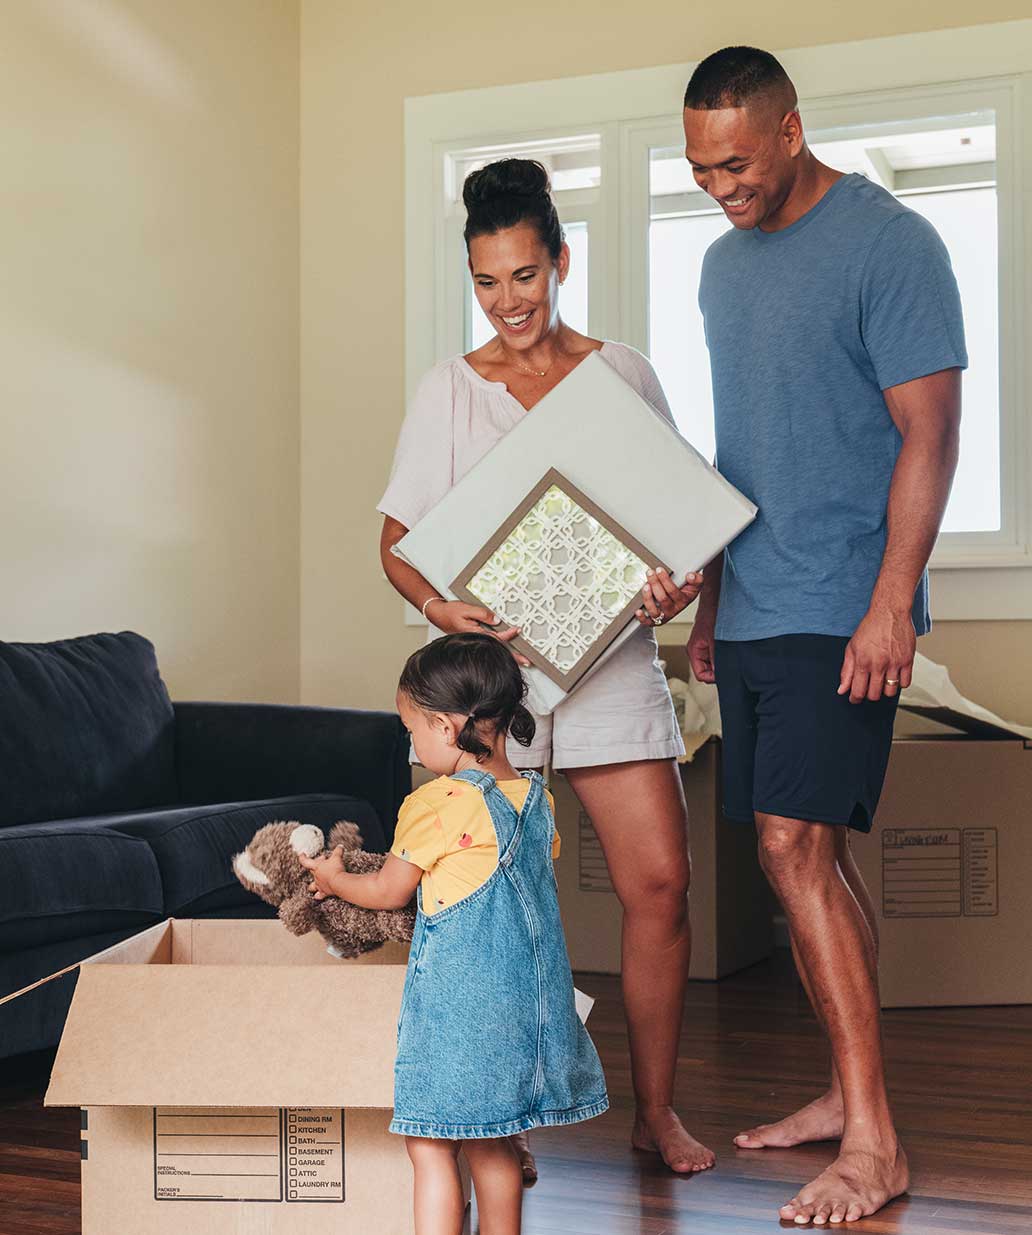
x=867, y=82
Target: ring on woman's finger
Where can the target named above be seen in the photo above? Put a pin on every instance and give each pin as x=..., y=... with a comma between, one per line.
x=658, y=620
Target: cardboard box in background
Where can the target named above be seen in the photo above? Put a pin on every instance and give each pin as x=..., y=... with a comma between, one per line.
x=949, y=867
x=234, y=1078
x=730, y=903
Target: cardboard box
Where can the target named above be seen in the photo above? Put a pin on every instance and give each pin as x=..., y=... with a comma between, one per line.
x=730, y=904
x=949, y=867
x=234, y=1080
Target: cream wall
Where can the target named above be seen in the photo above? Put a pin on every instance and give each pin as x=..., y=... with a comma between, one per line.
x=358, y=63
x=148, y=332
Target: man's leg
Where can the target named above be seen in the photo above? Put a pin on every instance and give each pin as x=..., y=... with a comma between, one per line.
x=638, y=811
x=836, y=949
x=821, y=1119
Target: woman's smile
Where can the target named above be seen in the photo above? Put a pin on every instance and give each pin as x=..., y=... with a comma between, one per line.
x=518, y=323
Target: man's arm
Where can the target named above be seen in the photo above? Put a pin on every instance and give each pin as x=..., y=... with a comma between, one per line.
x=880, y=656
x=700, y=642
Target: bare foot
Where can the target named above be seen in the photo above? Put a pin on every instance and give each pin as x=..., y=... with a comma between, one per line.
x=520, y=1142
x=820, y=1120
x=856, y=1184
x=658, y=1130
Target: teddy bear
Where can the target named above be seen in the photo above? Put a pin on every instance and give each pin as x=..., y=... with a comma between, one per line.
x=270, y=868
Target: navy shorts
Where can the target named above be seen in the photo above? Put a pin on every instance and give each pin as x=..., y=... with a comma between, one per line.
x=792, y=745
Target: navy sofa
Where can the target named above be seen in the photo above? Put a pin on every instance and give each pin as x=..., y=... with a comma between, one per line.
x=119, y=808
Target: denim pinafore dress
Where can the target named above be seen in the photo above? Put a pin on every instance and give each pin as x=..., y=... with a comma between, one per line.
x=489, y=1041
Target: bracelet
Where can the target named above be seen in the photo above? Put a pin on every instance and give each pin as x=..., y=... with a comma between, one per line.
x=426, y=602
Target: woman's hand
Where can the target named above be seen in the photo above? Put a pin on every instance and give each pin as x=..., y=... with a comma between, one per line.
x=324, y=871
x=663, y=599
x=456, y=617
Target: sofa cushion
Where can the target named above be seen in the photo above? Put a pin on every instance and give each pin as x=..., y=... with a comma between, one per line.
x=194, y=845
x=60, y=881
x=86, y=726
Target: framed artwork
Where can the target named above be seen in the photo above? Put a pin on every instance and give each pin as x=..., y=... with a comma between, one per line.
x=565, y=572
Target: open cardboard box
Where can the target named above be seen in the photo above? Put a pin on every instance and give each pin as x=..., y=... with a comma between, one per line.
x=235, y=1080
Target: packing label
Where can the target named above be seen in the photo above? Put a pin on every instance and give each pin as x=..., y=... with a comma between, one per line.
x=939, y=872
x=593, y=874
x=254, y=1154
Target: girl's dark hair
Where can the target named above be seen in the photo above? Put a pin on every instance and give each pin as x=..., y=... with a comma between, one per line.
x=477, y=677
x=507, y=193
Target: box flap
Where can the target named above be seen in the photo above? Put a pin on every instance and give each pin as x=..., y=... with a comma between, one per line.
x=150, y=947
x=932, y=694
x=142, y=1035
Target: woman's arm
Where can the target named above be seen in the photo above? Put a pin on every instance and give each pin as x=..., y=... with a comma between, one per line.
x=391, y=887
x=447, y=615
x=405, y=579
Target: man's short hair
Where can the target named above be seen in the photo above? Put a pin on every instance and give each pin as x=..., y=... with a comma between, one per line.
x=736, y=77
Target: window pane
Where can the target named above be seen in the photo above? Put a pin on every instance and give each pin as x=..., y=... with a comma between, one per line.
x=677, y=344
x=573, y=298
x=966, y=220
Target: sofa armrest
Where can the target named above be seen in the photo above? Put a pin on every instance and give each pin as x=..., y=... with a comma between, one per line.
x=233, y=752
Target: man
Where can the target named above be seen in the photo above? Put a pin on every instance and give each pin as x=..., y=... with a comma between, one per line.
x=836, y=343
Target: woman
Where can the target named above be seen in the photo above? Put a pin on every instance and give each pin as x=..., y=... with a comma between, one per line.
x=616, y=737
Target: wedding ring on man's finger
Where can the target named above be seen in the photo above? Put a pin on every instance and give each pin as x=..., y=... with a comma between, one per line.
x=892, y=681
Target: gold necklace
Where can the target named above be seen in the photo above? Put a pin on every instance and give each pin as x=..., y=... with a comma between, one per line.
x=514, y=364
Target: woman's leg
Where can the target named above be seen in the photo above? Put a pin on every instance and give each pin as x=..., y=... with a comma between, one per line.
x=439, y=1204
x=638, y=811
x=498, y=1184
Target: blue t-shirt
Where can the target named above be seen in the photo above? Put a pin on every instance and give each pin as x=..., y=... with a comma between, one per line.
x=806, y=327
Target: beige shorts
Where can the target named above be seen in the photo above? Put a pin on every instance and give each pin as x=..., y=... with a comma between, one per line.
x=621, y=713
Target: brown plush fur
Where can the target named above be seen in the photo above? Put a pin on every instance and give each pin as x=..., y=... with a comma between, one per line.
x=270, y=868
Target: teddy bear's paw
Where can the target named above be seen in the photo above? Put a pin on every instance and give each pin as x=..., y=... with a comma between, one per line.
x=307, y=839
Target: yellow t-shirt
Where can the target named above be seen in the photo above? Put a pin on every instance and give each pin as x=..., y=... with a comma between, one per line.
x=445, y=828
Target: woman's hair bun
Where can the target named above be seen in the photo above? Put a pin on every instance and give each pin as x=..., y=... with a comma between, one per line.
x=506, y=178
x=509, y=192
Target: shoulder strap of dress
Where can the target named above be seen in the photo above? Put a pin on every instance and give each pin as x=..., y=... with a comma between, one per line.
x=484, y=781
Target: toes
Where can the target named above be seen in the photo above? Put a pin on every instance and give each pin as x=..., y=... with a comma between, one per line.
x=822, y=1215
x=854, y=1212
x=838, y=1212
x=789, y=1211
x=748, y=1140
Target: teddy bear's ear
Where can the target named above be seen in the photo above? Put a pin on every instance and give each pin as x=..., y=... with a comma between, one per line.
x=346, y=834
x=246, y=871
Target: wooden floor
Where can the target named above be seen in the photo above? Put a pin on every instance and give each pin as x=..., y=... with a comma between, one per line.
x=961, y=1081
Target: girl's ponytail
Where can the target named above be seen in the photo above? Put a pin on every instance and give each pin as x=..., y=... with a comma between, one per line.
x=468, y=740
x=522, y=726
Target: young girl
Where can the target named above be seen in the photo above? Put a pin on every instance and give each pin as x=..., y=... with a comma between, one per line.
x=489, y=1042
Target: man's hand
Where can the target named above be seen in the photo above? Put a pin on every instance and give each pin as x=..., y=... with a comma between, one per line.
x=700, y=649
x=324, y=872
x=879, y=658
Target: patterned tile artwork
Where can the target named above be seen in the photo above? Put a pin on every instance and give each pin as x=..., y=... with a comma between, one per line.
x=562, y=576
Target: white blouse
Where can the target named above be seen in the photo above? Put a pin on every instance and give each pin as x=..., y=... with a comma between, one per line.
x=456, y=416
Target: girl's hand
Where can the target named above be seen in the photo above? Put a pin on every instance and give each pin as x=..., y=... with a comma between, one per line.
x=455, y=617
x=324, y=871
x=663, y=599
